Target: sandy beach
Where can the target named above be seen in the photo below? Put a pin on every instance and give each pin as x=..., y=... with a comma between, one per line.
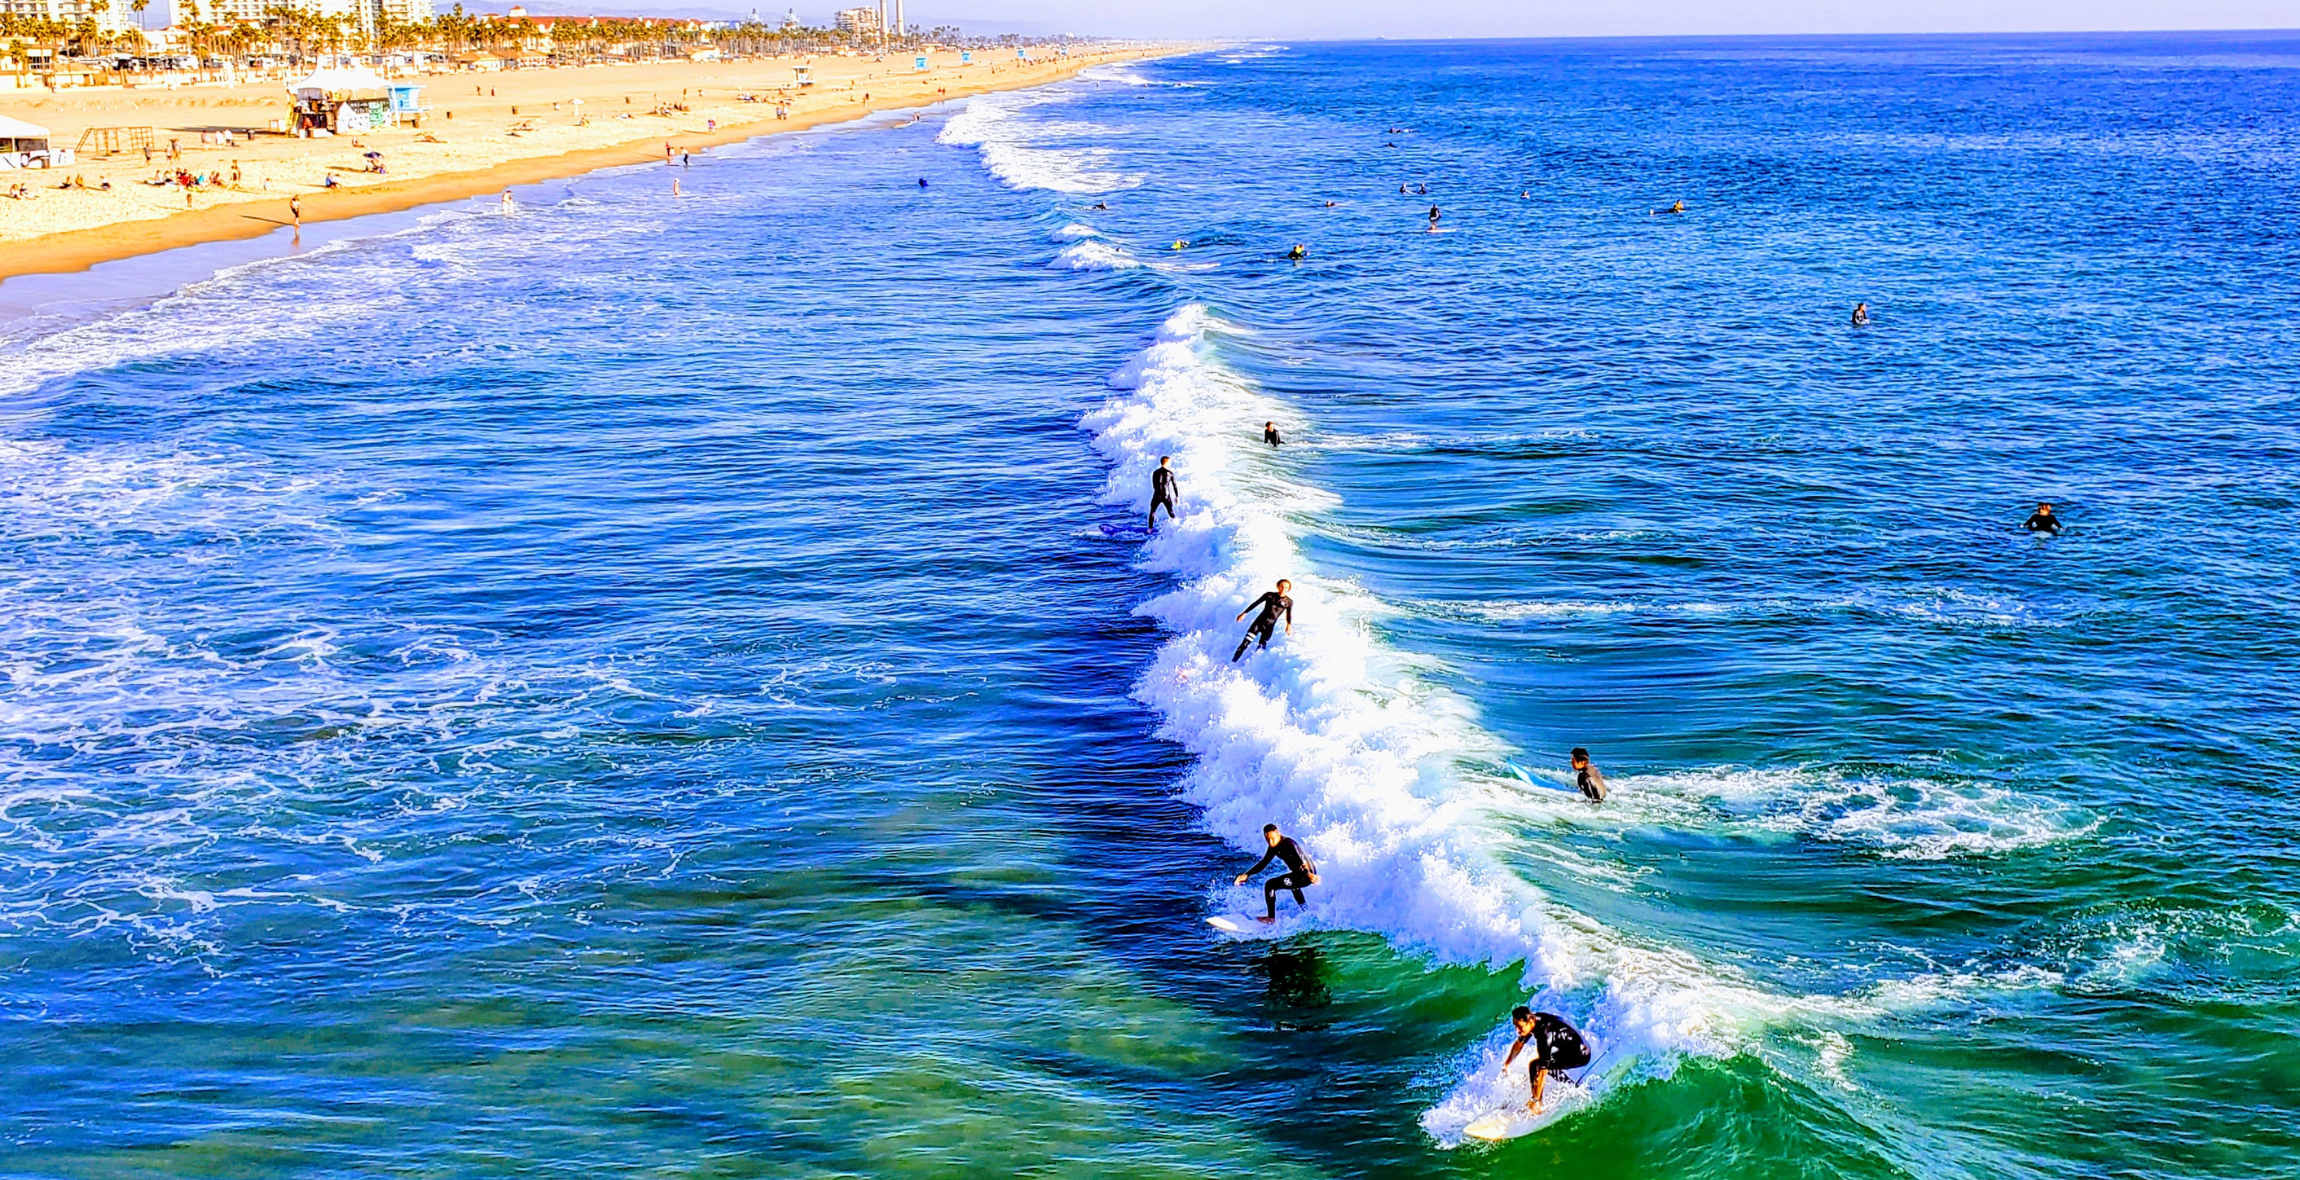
x=484, y=132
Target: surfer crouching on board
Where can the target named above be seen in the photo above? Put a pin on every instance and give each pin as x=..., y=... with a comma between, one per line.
x=1301, y=872
x=1556, y=1048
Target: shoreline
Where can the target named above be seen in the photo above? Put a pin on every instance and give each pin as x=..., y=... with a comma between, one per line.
x=78, y=250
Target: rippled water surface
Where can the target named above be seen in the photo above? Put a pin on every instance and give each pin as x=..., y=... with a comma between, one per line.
x=644, y=685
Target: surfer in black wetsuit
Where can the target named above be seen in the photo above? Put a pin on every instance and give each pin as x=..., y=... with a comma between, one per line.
x=1860, y=315
x=1270, y=434
x=1298, y=253
x=2043, y=521
x=1557, y=1047
x=1679, y=207
x=1301, y=872
x=1434, y=215
x=1586, y=776
x=1272, y=604
x=1163, y=490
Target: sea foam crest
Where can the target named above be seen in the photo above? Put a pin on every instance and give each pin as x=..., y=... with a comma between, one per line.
x=1328, y=736
x=1024, y=154
x=1092, y=254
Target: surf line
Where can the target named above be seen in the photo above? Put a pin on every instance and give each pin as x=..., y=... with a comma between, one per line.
x=1327, y=736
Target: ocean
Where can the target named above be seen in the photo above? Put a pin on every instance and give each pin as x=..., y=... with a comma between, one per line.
x=675, y=686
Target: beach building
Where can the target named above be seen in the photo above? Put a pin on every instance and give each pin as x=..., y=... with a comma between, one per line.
x=113, y=18
x=340, y=101
x=862, y=22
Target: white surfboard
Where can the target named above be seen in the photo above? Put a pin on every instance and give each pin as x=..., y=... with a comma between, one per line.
x=1558, y=1099
x=1239, y=924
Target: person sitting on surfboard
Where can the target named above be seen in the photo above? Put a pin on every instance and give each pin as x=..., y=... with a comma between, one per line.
x=1860, y=315
x=1272, y=604
x=1163, y=490
x=1586, y=776
x=1557, y=1047
x=1300, y=872
x=2042, y=521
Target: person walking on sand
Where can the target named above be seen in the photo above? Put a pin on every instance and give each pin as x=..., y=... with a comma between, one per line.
x=1163, y=490
x=1301, y=872
x=1272, y=604
x=1587, y=777
x=1557, y=1047
x=295, y=211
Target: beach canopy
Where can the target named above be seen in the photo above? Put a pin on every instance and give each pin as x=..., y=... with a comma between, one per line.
x=339, y=80
x=19, y=129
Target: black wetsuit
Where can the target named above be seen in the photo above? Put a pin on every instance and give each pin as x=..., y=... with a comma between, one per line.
x=1299, y=866
x=1273, y=604
x=2043, y=522
x=1591, y=781
x=1162, y=491
x=1556, y=1047
x=1270, y=435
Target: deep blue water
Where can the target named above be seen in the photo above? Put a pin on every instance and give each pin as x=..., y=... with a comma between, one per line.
x=641, y=684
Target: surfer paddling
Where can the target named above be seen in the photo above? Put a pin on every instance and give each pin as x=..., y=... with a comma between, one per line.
x=1557, y=1047
x=1301, y=872
x=1272, y=604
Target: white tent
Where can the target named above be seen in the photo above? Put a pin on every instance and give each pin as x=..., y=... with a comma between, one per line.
x=16, y=135
x=329, y=80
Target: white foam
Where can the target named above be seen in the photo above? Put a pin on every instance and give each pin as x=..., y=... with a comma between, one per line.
x=1026, y=154
x=1904, y=817
x=1073, y=232
x=1094, y=255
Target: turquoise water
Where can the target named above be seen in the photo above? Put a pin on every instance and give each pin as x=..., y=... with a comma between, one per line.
x=642, y=685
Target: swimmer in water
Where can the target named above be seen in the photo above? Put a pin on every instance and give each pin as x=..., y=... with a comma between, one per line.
x=1270, y=434
x=1331, y=204
x=1104, y=205
x=2043, y=521
x=1272, y=604
x=1298, y=253
x=922, y=182
x=1163, y=490
x=1180, y=243
x=1587, y=777
x=1860, y=315
x=1679, y=207
x=1402, y=191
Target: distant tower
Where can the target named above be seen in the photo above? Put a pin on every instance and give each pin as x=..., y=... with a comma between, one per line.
x=901, y=30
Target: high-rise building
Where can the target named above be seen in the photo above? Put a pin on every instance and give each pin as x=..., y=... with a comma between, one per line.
x=862, y=22
x=111, y=16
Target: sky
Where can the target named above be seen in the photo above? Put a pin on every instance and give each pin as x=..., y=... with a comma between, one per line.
x=1352, y=19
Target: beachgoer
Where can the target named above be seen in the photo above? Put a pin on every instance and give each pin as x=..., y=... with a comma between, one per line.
x=1301, y=872
x=1298, y=253
x=1270, y=434
x=1587, y=777
x=1860, y=315
x=2042, y=521
x=686, y=159
x=1557, y=1047
x=675, y=188
x=1434, y=215
x=1272, y=604
x=1163, y=490
x=235, y=172
x=508, y=203
x=1679, y=207
x=295, y=210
